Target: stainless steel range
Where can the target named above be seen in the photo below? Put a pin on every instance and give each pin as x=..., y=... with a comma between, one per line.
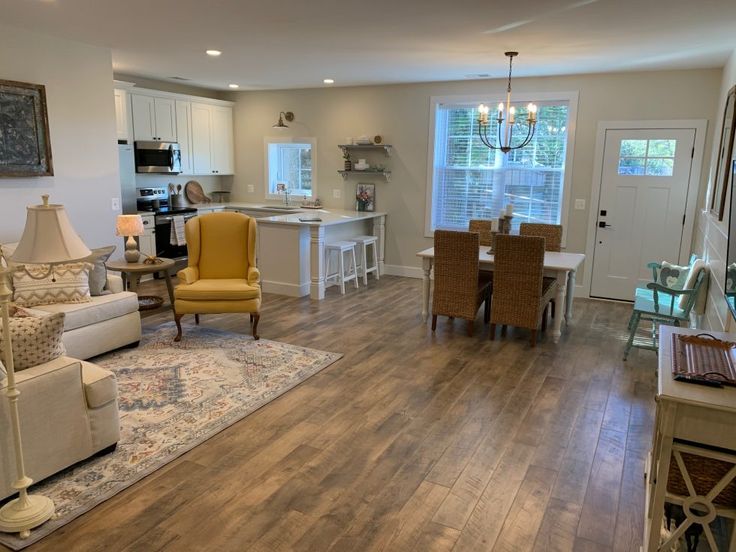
x=156, y=200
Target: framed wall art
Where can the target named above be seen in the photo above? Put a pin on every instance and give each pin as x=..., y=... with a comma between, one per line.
x=365, y=197
x=722, y=173
x=25, y=146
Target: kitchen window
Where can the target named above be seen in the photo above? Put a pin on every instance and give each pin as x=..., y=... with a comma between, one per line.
x=289, y=162
x=470, y=181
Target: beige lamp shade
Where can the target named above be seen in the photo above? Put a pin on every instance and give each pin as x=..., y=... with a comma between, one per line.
x=48, y=237
x=129, y=225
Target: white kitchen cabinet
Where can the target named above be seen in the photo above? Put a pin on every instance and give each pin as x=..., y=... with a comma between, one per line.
x=201, y=139
x=184, y=134
x=153, y=118
x=165, y=115
x=122, y=115
x=212, y=139
x=222, y=140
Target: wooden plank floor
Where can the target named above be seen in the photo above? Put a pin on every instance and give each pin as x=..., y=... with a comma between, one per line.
x=412, y=441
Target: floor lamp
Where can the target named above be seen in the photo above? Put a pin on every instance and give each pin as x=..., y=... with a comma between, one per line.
x=48, y=239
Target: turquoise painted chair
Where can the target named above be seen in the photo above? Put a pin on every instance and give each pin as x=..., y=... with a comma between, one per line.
x=660, y=304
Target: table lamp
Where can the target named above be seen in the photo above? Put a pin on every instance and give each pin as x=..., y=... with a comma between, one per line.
x=48, y=239
x=130, y=225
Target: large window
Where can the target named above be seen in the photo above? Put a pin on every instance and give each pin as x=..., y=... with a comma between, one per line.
x=472, y=181
x=289, y=162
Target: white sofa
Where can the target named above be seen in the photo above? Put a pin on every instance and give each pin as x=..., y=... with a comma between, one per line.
x=68, y=411
x=105, y=323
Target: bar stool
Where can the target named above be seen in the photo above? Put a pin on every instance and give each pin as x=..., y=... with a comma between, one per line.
x=340, y=248
x=363, y=242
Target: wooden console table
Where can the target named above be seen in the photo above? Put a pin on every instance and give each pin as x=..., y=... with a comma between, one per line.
x=692, y=420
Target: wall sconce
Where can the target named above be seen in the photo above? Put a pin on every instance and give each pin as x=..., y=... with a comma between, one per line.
x=288, y=115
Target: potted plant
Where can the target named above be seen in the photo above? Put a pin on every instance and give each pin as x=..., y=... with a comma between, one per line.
x=346, y=157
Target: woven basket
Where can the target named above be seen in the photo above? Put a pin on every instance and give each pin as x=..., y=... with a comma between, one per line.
x=705, y=473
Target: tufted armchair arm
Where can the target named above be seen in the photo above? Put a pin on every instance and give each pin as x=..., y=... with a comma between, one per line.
x=188, y=275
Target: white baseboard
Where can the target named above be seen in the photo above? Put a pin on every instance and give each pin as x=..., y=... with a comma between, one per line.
x=282, y=288
x=406, y=271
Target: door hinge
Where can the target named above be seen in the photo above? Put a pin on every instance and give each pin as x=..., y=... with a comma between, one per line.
x=692, y=153
x=683, y=219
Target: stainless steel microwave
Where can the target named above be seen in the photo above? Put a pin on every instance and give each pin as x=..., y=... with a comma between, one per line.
x=157, y=157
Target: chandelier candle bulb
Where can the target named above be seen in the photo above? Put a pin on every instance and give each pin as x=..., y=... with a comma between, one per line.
x=512, y=115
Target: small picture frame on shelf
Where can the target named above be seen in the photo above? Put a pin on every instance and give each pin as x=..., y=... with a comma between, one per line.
x=365, y=197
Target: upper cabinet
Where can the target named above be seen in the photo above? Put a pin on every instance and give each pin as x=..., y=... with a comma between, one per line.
x=203, y=127
x=122, y=115
x=184, y=134
x=222, y=140
x=153, y=118
x=212, y=139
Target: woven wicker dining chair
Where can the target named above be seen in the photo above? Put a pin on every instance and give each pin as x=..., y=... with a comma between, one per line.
x=552, y=234
x=481, y=227
x=459, y=286
x=521, y=293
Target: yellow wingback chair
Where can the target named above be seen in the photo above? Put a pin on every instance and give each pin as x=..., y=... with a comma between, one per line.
x=222, y=276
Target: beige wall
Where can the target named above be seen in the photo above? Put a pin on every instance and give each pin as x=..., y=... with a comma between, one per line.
x=400, y=113
x=78, y=80
x=711, y=235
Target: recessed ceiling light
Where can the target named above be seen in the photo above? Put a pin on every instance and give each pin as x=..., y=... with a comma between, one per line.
x=213, y=53
x=329, y=81
x=234, y=85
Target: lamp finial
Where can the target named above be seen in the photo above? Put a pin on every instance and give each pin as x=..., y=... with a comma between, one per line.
x=45, y=198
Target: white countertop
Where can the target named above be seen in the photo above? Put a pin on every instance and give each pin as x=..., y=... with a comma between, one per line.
x=328, y=217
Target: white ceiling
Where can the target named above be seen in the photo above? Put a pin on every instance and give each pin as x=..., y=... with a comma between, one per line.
x=296, y=43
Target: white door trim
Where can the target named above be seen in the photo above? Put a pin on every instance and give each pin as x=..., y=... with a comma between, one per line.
x=700, y=126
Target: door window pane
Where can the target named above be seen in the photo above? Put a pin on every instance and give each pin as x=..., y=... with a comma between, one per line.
x=647, y=157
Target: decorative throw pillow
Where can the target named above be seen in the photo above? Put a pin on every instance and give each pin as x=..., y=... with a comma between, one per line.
x=98, y=274
x=35, y=339
x=672, y=276
x=692, y=277
x=67, y=283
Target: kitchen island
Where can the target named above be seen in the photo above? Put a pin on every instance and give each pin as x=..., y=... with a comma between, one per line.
x=291, y=248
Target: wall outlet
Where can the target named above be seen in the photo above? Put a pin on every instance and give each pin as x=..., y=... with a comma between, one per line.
x=580, y=205
x=115, y=204
x=337, y=193
x=251, y=188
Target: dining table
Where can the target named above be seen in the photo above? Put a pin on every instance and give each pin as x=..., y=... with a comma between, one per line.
x=560, y=265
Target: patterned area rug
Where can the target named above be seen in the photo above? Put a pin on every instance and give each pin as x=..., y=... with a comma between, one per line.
x=172, y=397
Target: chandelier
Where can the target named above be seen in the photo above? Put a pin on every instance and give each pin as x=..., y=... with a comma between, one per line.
x=505, y=142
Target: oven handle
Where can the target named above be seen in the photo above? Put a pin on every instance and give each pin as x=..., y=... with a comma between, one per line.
x=171, y=217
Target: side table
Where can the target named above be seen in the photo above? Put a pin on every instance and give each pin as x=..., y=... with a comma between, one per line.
x=695, y=441
x=132, y=272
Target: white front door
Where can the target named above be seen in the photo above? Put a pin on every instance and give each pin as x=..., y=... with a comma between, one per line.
x=641, y=210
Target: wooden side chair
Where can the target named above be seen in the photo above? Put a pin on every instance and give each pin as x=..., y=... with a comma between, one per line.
x=660, y=304
x=481, y=227
x=521, y=293
x=459, y=286
x=552, y=234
